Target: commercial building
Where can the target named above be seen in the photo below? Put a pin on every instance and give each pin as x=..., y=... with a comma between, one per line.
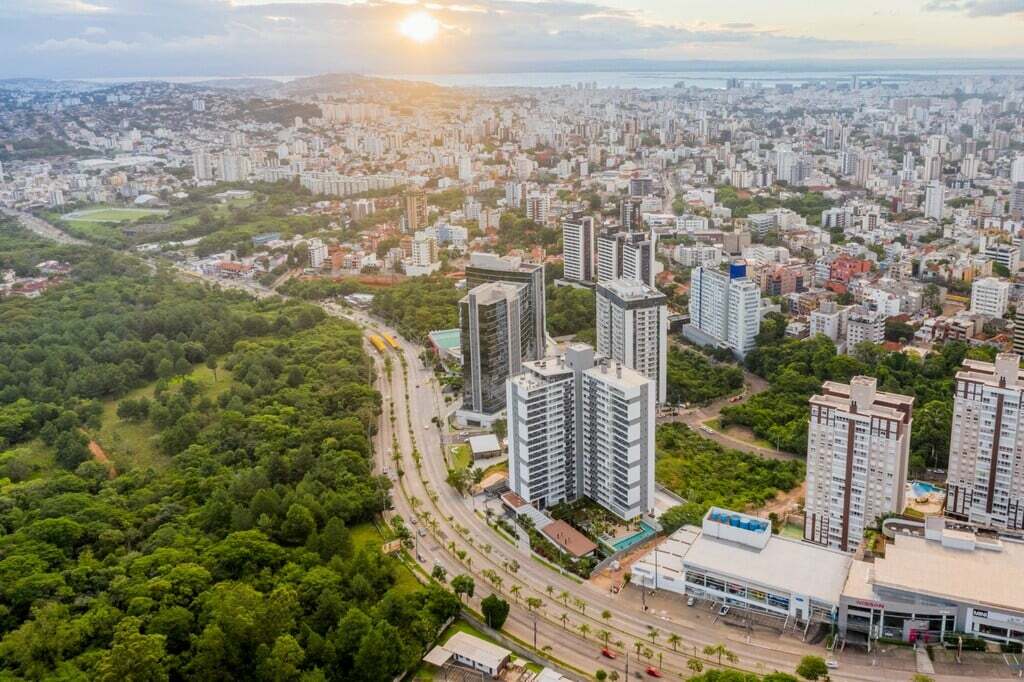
x=470, y=652
x=858, y=446
x=632, y=327
x=985, y=481
x=581, y=426
x=925, y=588
x=990, y=296
x=734, y=559
x=487, y=267
x=725, y=307
x=491, y=347
x=578, y=249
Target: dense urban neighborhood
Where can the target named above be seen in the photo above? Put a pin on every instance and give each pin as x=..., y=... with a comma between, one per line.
x=358, y=378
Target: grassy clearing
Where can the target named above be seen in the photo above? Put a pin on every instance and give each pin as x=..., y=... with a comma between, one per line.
x=461, y=456
x=112, y=215
x=133, y=444
x=739, y=433
x=792, y=530
x=366, y=535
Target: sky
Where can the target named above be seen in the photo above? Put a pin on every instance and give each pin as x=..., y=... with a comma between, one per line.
x=122, y=38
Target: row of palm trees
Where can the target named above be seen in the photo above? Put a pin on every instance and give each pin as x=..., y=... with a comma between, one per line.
x=536, y=604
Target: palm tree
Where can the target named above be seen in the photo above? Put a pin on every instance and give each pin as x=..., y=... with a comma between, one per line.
x=695, y=666
x=564, y=617
x=581, y=605
x=648, y=652
x=605, y=635
x=607, y=615
x=550, y=590
x=564, y=596
x=515, y=590
x=533, y=603
x=719, y=650
x=638, y=645
x=584, y=629
x=653, y=634
x=674, y=640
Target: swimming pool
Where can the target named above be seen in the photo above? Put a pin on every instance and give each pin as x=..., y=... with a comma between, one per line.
x=923, y=489
x=625, y=543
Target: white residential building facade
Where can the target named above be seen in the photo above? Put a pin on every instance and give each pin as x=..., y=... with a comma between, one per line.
x=632, y=328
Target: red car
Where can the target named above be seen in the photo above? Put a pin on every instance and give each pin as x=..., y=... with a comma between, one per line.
x=653, y=672
x=608, y=653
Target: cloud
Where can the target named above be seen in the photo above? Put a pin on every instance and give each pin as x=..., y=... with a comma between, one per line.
x=977, y=8
x=221, y=37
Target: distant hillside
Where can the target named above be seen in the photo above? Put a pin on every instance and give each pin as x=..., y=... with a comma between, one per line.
x=331, y=83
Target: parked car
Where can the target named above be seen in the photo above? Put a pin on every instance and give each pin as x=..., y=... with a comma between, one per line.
x=832, y=663
x=691, y=601
x=724, y=610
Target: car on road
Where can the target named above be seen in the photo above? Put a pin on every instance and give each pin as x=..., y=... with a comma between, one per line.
x=707, y=429
x=691, y=601
x=608, y=653
x=653, y=672
x=832, y=663
x=723, y=611
x=423, y=532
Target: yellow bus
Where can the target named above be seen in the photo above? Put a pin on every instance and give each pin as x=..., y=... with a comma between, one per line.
x=378, y=343
x=391, y=341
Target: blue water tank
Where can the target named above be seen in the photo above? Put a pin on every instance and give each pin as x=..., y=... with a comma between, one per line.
x=737, y=269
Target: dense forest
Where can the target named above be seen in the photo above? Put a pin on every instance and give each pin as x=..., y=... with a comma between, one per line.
x=419, y=305
x=797, y=368
x=240, y=559
x=569, y=310
x=706, y=474
x=692, y=378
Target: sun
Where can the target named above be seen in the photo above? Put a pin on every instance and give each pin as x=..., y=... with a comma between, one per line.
x=419, y=26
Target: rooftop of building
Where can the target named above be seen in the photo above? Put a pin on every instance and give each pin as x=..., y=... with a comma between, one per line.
x=1006, y=368
x=568, y=538
x=493, y=292
x=631, y=290
x=493, y=261
x=617, y=374
x=863, y=392
x=783, y=564
x=958, y=568
x=469, y=647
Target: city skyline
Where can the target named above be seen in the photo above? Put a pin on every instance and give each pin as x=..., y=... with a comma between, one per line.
x=136, y=38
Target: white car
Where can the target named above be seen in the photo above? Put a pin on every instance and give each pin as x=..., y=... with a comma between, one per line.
x=832, y=663
x=724, y=610
x=691, y=601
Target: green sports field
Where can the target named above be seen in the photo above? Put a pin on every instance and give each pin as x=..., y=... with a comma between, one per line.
x=112, y=215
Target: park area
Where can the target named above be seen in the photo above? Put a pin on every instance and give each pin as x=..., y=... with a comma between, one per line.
x=112, y=215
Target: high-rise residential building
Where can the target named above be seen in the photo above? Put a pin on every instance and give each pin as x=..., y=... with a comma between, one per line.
x=629, y=255
x=317, y=253
x=864, y=325
x=1017, y=169
x=1016, y=204
x=490, y=320
x=985, y=481
x=990, y=296
x=641, y=186
x=858, y=447
x=632, y=328
x=725, y=307
x=1018, y=334
x=202, y=165
x=932, y=168
x=538, y=205
x=487, y=267
x=580, y=426
x=415, y=210
x=934, y=199
x=862, y=171
x=830, y=320
x=631, y=214
x=578, y=249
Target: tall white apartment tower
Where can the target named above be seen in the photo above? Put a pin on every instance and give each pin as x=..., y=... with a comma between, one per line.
x=629, y=255
x=985, y=482
x=934, y=197
x=858, y=446
x=990, y=296
x=632, y=327
x=578, y=248
x=725, y=306
x=580, y=426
